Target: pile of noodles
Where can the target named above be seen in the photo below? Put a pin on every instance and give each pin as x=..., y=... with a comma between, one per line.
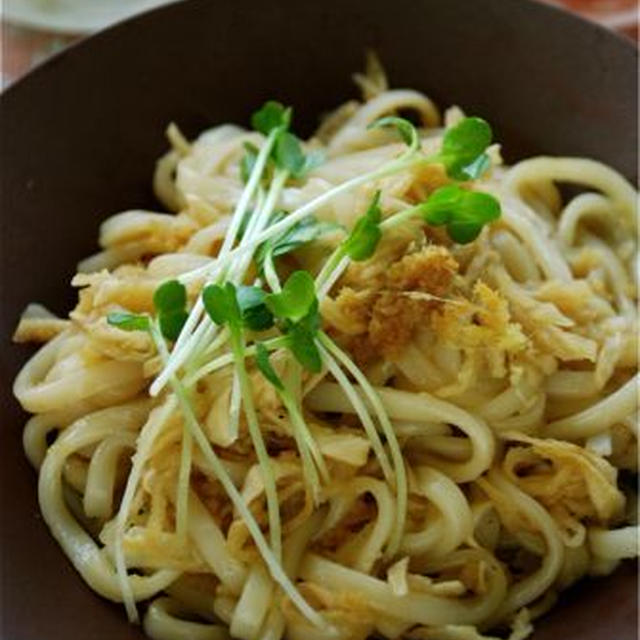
x=507, y=367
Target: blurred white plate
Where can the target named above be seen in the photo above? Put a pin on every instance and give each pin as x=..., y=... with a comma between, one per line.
x=73, y=16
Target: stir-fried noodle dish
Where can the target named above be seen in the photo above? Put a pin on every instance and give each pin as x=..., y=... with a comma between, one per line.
x=370, y=384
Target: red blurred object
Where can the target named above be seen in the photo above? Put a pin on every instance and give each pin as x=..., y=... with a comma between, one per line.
x=23, y=48
x=620, y=15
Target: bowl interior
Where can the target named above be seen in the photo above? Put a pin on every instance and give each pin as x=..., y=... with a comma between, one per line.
x=80, y=136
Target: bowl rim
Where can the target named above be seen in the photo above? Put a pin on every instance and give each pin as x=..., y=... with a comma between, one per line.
x=78, y=47
x=86, y=22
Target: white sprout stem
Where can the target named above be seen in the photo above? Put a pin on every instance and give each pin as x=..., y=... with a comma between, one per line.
x=294, y=411
x=257, y=223
x=338, y=261
x=235, y=406
x=206, y=330
x=307, y=446
x=187, y=343
x=190, y=324
x=186, y=454
x=293, y=384
x=309, y=452
x=247, y=193
x=268, y=477
x=274, y=566
x=305, y=210
x=184, y=473
x=333, y=277
x=179, y=355
x=227, y=359
x=207, y=337
x=272, y=562
x=303, y=437
x=262, y=220
x=270, y=274
x=221, y=339
x=329, y=266
x=197, y=342
x=389, y=432
x=403, y=162
x=401, y=216
x=146, y=438
x=361, y=410
x=145, y=441
x=184, y=476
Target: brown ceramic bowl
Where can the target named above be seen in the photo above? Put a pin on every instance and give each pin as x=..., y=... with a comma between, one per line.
x=81, y=133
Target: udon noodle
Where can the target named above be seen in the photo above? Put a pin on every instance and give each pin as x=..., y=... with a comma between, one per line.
x=497, y=377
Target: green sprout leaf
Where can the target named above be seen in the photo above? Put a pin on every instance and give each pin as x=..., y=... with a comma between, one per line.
x=297, y=307
x=464, y=147
x=264, y=365
x=407, y=131
x=302, y=345
x=463, y=212
x=270, y=116
x=477, y=210
x=170, y=301
x=438, y=208
x=289, y=155
x=296, y=298
x=304, y=232
x=171, y=323
x=311, y=321
x=302, y=339
x=365, y=235
x=300, y=234
x=170, y=296
x=255, y=313
x=221, y=303
x=129, y=321
x=312, y=160
x=302, y=335
x=248, y=161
